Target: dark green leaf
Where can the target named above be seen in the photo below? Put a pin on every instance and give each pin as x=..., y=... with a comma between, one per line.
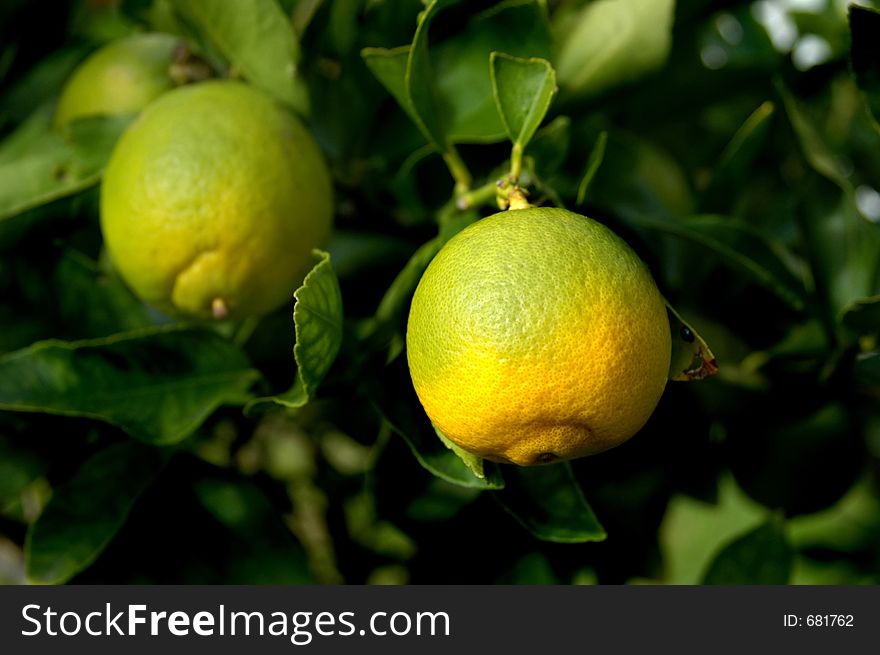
x=397, y=297
x=549, y=147
x=761, y=556
x=844, y=247
x=94, y=303
x=317, y=319
x=403, y=414
x=736, y=159
x=864, y=25
x=257, y=39
x=593, y=163
x=531, y=569
x=40, y=84
x=158, y=385
x=549, y=503
x=420, y=85
x=269, y=553
x=56, y=167
x=863, y=316
x=523, y=90
x=84, y=514
x=18, y=468
x=742, y=247
x=867, y=372
x=389, y=67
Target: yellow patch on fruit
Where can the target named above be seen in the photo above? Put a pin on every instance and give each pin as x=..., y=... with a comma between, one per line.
x=537, y=335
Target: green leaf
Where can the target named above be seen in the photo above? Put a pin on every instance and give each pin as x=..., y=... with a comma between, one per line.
x=257, y=39
x=398, y=406
x=463, y=74
x=55, y=167
x=396, y=299
x=18, y=468
x=692, y=359
x=28, y=135
x=611, y=42
x=94, y=303
x=446, y=89
x=844, y=247
x=593, y=164
x=740, y=246
x=475, y=463
x=550, y=145
x=263, y=551
x=523, y=90
x=761, y=556
x=389, y=67
x=40, y=84
x=317, y=320
x=867, y=372
x=864, y=25
x=863, y=316
x=441, y=461
x=736, y=159
x=549, y=503
x=158, y=384
x=420, y=86
x=84, y=514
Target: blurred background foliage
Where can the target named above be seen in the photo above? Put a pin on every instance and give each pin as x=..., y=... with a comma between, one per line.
x=740, y=159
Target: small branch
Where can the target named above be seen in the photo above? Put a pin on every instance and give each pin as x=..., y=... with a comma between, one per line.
x=516, y=156
x=483, y=195
x=459, y=171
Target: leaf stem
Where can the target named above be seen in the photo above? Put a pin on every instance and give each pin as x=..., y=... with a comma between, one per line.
x=483, y=195
x=516, y=156
x=459, y=171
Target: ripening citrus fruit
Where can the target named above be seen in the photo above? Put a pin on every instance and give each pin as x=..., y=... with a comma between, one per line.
x=120, y=78
x=213, y=200
x=537, y=335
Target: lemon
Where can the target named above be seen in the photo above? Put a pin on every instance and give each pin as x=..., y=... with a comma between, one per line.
x=120, y=78
x=213, y=200
x=537, y=335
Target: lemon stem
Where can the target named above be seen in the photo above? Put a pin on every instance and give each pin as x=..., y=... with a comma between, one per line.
x=219, y=309
x=517, y=199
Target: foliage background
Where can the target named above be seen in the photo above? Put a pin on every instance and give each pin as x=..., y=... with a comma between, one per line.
x=739, y=158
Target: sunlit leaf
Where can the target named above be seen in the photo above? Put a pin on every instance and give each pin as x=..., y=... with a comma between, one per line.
x=523, y=90
x=257, y=39
x=55, y=167
x=157, y=384
x=317, y=319
x=607, y=43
